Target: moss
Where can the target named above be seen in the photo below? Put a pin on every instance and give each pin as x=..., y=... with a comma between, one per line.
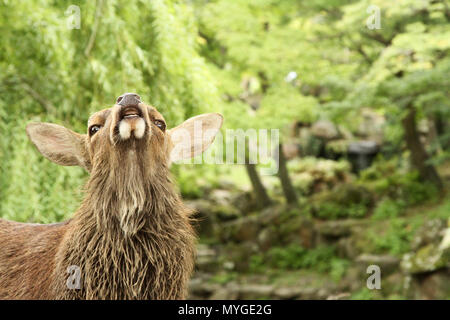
x=428, y=258
x=345, y=201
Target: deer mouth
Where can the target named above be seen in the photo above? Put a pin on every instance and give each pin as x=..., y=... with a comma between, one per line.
x=130, y=113
x=131, y=123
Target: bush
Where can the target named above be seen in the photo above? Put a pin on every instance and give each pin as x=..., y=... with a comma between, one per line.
x=293, y=257
x=397, y=238
x=387, y=180
x=387, y=209
x=345, y=201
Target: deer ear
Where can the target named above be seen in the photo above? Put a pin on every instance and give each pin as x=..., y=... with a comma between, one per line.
x=194, y=136
x=59, y=144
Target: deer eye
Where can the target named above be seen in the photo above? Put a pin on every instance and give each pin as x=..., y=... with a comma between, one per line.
x=160, y=124
x=94, y=129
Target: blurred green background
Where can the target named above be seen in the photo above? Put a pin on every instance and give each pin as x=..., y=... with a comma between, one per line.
x=359, y=90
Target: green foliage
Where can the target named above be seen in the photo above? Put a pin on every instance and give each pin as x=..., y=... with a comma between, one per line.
x=387, y=209
x=388, y=179
x=50, y=73
x=363, y=294
x=344, y=201
x=396, y=239
x=223, y=277
x=293, y=257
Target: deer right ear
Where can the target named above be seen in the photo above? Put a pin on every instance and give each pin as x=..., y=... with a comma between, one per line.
x=59, y=144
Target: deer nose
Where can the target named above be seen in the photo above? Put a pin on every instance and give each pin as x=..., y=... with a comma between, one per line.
x=128, y=100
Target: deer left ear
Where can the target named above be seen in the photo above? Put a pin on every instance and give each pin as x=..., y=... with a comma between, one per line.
x=59, y=144
x=194, y=136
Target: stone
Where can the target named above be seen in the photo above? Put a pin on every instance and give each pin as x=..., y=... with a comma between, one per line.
x=324, y=129
x=346, y=248
x=387, y=263
x=255, y=291
x=363, y=147
x=221, y=196
x=432, y=286
x=224, y=294
x=293, y=292
x=299, y=230
x=426, y=259
x=266, y=238
x=432, y=231
x=206, y=259
x=339, y=228
x=242, y=229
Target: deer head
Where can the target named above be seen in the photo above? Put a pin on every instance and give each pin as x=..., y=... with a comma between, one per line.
x=128, y=150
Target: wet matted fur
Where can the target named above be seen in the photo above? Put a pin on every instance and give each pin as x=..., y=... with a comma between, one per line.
x=131, y=238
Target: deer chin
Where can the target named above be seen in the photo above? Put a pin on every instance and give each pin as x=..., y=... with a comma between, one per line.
x=132, y=126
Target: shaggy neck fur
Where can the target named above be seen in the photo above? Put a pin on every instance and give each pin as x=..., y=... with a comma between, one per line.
x=132, y=236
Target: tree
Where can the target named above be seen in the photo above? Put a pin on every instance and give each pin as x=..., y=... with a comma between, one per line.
x=55, y=74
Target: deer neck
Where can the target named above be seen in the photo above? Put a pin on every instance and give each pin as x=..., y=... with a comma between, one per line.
x=132, y=238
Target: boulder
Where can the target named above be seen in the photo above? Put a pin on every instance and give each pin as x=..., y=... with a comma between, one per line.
x=254, y=291
x=387, y=263
x=426, y=259
x=239, y=230
x=339, y=228
x=431, y=286
x=324, y=129
x=206, y=259
x=432, y=231
x=267, y=237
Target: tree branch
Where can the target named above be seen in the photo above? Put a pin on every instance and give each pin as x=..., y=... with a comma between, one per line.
x=98, y=16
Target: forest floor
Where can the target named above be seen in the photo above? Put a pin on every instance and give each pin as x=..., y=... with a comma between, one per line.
x=296, y=252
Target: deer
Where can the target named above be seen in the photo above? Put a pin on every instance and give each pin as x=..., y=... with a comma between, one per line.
x=132, y=237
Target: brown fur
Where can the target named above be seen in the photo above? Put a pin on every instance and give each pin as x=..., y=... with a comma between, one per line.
x=131, y=236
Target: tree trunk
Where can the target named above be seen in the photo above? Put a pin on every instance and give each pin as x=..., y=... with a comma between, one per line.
x=283, y=174
x=261, y=196
x=262, y=199
x=419, y=156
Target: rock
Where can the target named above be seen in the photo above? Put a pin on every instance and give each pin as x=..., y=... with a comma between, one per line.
x=225, y=212
x=270, y=215
x=346, y=248
x=345, y=200
x=426, y=259
x=431, y=286
x=202, y=289
x=339, y=296
x=221, y=196
x=242, y=229
x=224, y=294
x=298, y=230
x=291, y=150
x=266, y=238
x=445, y=243
x=387, y=263
x=432, y=231
x=243, y=201
x=339, y=228
x=255, y=291
x=207, y=260
x=324, y=129
x=239, y=254
x=363, y=147
x=294, y=292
